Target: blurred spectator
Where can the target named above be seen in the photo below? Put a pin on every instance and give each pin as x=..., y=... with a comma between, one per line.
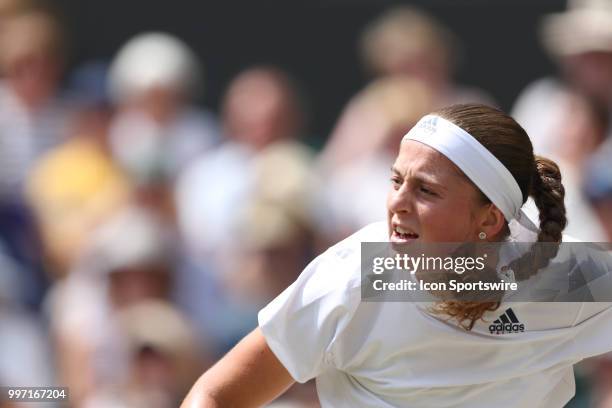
x=9, y=8
x=261, y=108
x=88, y=86
x=275, y=247
x=277, y=233
x=76, y=186
x=25, y=352
x=406, y=42
x=73, y=190
x=569, y=117
x=275, y=226
x=598, y=186
x=261, y=161
x=346, y=203
x=156, y=131
x=581, y=38
x=33, y=118
x=127, y=260
x=163, y=359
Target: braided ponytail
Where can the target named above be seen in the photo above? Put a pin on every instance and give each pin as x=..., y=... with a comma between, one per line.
x=548, y=194
x=536, y=176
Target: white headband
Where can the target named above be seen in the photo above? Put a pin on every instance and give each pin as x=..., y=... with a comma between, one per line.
x=478, y=164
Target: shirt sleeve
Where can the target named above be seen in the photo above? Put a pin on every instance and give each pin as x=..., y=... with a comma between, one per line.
x=301, y=324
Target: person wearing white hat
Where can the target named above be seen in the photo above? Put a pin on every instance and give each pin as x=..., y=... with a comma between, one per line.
x=463, y=174
x=157, y=131
x=586, y=27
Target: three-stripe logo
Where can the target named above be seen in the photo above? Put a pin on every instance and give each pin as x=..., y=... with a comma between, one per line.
x=507, y=323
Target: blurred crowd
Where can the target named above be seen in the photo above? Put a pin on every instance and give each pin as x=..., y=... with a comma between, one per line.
x=141, y=233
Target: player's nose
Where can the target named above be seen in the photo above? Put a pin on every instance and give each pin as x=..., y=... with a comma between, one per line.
x=400, y=200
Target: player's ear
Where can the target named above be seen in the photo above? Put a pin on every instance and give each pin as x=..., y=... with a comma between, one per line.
x=491, y=220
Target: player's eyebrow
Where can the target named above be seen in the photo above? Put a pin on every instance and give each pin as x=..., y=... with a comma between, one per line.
x=421, y=178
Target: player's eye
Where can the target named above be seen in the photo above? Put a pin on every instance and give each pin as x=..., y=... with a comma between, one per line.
x=396, y=181
x=427, y=191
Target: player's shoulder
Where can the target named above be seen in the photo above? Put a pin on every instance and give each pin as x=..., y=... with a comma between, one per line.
x=374, y=232
x=343, y=260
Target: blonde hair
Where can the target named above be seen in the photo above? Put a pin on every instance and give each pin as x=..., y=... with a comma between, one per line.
x=403, y=32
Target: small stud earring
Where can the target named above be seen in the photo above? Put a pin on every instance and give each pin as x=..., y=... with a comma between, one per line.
x=482, y=235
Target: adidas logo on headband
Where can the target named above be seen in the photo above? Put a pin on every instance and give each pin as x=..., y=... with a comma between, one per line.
x=429, y=125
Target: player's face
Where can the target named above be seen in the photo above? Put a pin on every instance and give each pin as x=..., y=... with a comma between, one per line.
x=430, y=200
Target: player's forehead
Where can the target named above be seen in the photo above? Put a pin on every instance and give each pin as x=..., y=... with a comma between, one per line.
x=417, y=158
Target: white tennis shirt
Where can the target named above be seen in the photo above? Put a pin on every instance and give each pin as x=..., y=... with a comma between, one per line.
x=395, y=354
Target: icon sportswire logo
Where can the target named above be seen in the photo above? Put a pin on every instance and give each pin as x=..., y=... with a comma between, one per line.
x=507, y=323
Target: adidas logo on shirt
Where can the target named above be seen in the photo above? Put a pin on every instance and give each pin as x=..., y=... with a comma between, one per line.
x=507, y=323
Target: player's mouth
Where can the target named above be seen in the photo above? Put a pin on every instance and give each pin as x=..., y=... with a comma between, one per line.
x=402, y=235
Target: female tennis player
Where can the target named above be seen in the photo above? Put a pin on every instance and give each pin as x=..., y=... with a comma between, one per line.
x=462, y=175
